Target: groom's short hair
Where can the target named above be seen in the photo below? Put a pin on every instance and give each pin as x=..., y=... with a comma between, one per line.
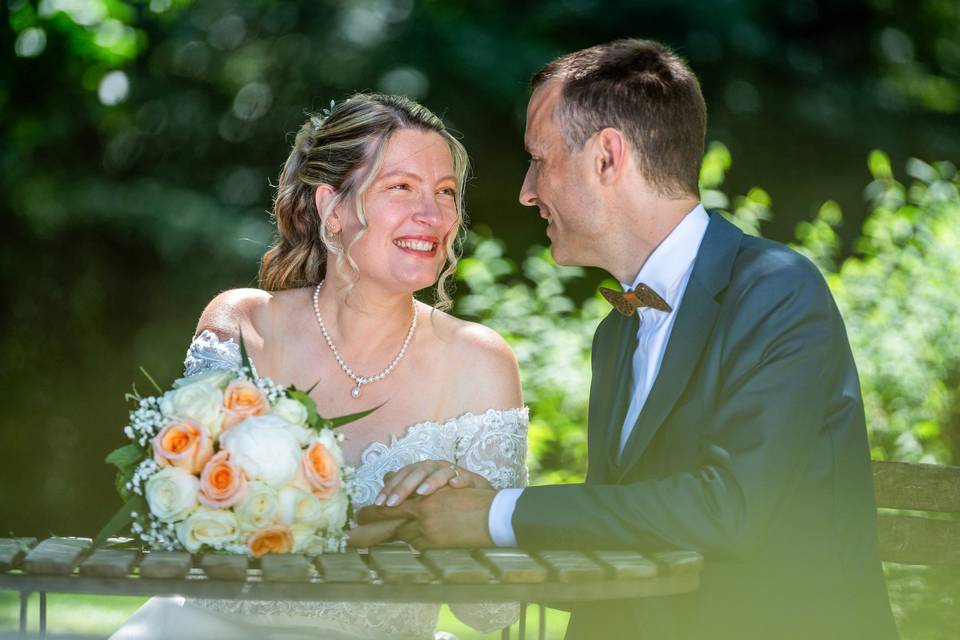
x=646, y=91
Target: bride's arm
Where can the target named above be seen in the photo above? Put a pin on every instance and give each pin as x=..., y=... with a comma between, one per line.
x=228, y=316
x=235, y=311
x=483, y=369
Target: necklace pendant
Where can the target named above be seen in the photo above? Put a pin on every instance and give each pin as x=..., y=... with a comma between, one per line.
x=355, y=392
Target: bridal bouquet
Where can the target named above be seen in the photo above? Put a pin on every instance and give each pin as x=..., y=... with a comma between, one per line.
x=231, y=462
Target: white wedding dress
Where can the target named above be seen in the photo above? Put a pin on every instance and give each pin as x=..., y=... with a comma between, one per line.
x=492, y=444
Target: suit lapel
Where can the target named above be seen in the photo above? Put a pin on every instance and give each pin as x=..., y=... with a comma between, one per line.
x=606, y=358
x=623, y=387
x=696, y=316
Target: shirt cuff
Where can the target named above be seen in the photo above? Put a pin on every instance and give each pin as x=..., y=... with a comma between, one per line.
x=499, y=520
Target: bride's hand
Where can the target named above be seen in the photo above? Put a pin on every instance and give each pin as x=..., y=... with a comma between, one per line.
x=424, y=478
x=368, y=535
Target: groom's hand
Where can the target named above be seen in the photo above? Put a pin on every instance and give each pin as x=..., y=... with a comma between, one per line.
x=367, y=535
x=446, y=518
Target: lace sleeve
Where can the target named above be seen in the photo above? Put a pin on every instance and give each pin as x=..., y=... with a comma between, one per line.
x=208, y=352
x=495, y=447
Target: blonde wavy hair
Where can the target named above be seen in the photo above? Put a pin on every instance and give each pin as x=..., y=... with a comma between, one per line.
x=344, y=149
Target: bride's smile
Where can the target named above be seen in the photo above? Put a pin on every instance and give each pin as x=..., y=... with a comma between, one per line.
x=418, y=246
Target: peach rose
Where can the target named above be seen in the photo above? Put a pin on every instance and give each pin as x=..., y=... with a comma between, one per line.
x=275, y=539
x=321, y=470
x=222, y=483
x=183, y=444
x=243, y=399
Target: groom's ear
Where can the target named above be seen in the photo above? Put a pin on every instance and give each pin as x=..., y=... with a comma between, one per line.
x=611, y=155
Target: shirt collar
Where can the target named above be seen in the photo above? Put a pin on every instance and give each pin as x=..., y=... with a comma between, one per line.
x=672, y=258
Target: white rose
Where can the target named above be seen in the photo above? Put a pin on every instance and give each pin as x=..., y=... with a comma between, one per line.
x=299, y=506
x=333, y=512
x=172, y=494
x=265, y=447
x=213, y=527
x=291, y=410
x=305, y=539
x=259, y=508
x=303, y=435
x=198, y=401
x=217, y=378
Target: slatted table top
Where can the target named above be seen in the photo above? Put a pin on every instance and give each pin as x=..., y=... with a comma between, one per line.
x=393, y=573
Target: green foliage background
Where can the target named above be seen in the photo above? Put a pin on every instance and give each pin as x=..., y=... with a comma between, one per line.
x=138, y=141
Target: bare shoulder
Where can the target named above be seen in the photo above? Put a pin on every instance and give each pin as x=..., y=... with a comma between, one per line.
x=235, y=311
x=480, y=361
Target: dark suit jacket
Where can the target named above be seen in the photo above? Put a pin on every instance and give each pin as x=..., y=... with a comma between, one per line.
x=751, y=448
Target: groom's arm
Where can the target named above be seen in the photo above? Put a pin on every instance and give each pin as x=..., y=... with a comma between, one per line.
x=787, y=353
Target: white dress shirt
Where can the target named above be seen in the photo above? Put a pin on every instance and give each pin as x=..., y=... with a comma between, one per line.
x=667, y=271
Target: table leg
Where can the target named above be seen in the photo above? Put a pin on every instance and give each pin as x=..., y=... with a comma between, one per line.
x=43, y=615
x=505, y=633
x=542, y=626
x=522, y=631
x=24, y=598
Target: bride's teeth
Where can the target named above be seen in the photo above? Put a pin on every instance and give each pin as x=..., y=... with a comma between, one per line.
x=416, y=245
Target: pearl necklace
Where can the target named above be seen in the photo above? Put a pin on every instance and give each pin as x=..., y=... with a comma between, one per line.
x=362, y=380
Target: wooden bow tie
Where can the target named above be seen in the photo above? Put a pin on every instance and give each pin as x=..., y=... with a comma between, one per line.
x=627, y=302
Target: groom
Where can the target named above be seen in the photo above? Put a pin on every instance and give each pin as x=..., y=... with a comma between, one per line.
x=725, y=412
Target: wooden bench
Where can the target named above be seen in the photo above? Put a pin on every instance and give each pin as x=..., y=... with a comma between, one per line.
x=931, y=536
x=388, y=573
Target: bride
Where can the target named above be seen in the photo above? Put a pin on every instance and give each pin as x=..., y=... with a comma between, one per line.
x=368, y=210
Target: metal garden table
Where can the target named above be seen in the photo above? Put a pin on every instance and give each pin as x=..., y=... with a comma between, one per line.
x=387, y=573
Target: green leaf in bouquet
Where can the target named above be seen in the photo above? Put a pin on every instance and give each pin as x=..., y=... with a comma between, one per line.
x=244, y=356
x=120, y=484
x=125, y=457
x=303, y=398
x=314, y=419
x=332, y=423
x=152, y=381
x=120, y=520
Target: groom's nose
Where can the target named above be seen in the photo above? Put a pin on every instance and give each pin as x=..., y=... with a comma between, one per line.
x=528, y=190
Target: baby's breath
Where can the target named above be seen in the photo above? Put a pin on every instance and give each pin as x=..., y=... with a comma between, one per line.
x=335, y=543
x=271, y=389
x=141, y=474
x=145, y=421
x=348, y=479
x=159, y=535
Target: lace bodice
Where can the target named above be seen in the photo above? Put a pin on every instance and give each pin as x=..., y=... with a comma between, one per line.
x=492, y=444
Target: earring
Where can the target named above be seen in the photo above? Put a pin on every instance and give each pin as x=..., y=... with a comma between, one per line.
x=333, y=227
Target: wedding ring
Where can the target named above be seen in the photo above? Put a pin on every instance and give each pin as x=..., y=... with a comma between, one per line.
x=456, y=471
